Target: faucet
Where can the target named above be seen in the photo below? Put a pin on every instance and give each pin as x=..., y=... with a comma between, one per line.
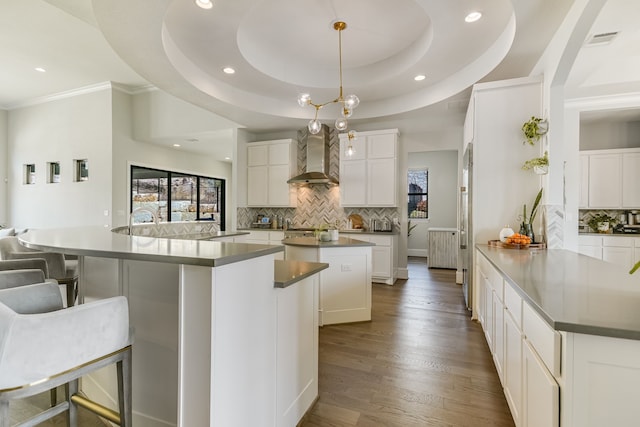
x=154, y=217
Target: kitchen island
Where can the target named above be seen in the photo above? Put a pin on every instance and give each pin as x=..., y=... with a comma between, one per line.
x=224, y=334
x=564, y=331
x=345, y=287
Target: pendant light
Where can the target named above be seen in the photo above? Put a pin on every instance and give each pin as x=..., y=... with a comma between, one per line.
x=348, y=103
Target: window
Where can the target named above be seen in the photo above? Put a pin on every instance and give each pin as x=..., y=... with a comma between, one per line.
x=176, y=196
x=418, y=192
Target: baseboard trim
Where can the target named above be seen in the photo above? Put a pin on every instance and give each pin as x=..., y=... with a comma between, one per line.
x=418, y=252
x=403, y=273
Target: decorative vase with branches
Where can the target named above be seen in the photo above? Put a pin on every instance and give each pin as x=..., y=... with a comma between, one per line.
x=526, y=227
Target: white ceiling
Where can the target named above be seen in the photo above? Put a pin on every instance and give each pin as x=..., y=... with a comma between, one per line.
x=282, y=47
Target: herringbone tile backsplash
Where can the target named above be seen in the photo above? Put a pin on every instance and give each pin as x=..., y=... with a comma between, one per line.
x=317, y=204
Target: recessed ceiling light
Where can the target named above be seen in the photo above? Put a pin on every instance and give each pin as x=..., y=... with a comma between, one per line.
x=419, y=77
x=227, y=158
x=228, y=70
x=176, y=145
x=205, y=4
x=40, y=69
x=473, y=17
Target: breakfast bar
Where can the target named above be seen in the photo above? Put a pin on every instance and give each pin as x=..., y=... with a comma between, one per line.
x=225, y=334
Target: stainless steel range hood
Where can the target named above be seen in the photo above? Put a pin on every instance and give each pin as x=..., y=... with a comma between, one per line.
x=317, y=170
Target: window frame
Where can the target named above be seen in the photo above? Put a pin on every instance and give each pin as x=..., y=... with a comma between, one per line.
x=176, y=174
x=425, y=193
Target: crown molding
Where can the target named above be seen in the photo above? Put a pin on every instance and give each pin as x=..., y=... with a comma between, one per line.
x=604, y=102
x=108, y=85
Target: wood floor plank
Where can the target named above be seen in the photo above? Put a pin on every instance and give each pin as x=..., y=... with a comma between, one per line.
x=421, y=361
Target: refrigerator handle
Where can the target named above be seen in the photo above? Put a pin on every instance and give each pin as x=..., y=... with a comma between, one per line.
x=463, y=213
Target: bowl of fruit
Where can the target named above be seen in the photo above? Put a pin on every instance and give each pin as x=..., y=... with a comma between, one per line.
x=517, y=241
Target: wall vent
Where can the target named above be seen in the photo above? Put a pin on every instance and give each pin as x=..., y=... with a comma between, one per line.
x=601, y=39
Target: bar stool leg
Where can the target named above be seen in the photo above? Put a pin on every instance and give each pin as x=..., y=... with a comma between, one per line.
x=71, y=388
x=54, y=396
x=123, y=368
x=4, y=413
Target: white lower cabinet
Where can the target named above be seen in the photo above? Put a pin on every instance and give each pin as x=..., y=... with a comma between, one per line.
x=525, y=350
x=296, y=350
x=541, y=392
x=384, y=256
x=512, y=384
x=498, y=335
x=601, y=382
x=345, y=287
x=620, y=250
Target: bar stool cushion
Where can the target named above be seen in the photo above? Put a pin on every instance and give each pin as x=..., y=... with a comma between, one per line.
x=38, y=346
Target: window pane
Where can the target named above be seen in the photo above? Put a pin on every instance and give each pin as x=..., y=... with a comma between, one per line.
x=209, y=198
x=149, y=191
x=418, y=193
x=183, y=197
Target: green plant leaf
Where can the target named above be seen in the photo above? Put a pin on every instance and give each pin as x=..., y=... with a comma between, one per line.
x=534, y=210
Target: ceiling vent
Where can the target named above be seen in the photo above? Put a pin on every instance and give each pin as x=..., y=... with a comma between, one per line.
x=601, y=39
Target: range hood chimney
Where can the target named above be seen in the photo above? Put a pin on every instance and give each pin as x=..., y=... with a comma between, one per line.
x=317, y=170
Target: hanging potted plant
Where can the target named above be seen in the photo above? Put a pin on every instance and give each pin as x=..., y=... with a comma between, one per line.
x=540, y=165
x=534, y=129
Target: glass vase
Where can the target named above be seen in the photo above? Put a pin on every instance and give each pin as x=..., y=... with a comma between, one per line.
x=527, y=230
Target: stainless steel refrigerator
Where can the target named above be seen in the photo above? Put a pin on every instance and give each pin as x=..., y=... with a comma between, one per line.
x=466, y=226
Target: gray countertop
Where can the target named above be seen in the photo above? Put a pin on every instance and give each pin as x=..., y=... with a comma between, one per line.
x=573, y=292
x=101, y=242
x=312, y=242
x=289, y=272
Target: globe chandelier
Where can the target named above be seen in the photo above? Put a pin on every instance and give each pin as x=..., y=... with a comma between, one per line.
x=348, y=103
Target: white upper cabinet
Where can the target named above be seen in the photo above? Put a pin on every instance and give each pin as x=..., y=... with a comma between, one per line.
x=583, y=201
x=631, y=180
x=269, y=165
x=610, y=179
x=604, y=181
x=369, y=176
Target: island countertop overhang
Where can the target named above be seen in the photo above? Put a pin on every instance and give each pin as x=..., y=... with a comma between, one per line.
x=573, y=292
x=101, y=242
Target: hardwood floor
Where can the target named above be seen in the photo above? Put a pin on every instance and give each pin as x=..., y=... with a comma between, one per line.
x=421, y=361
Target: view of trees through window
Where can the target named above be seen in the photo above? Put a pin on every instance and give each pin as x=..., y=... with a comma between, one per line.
x=176, y=196
x=418, y=193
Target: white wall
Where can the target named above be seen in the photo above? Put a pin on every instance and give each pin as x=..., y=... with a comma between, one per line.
x=448, y=138
x=160, y=115
x=95, y=126
x=4, y=164
x=443, y=200
x=62, y=130
x=128, y=151
x=562, y=183
x=609, y=135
